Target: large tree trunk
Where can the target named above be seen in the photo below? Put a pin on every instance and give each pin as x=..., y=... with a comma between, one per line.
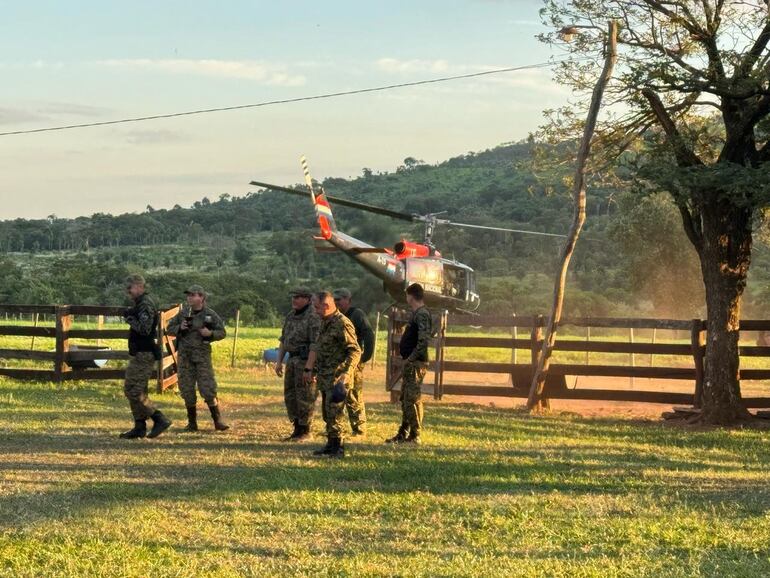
x=725, y=255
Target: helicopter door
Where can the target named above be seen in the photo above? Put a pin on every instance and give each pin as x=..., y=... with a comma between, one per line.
x=456, y=282
x=426, y=272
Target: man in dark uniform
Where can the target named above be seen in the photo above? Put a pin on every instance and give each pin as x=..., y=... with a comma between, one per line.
x=196, y=327
x=143, y=350
x=413, y=348
x=300, y=330
x=355, y=400
x=334, y=356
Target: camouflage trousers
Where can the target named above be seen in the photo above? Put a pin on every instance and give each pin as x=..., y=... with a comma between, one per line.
x=195, y=368
x=140, y=369
x=333, y=413
x=299, y=398
x=411, y=395
x=355, y=400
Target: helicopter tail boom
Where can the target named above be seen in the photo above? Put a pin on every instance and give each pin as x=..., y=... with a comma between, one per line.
x=324, y=214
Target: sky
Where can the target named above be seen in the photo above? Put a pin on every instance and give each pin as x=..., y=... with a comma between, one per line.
x=88, y=61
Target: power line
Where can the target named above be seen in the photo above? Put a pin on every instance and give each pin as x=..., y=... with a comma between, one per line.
x=283, y=101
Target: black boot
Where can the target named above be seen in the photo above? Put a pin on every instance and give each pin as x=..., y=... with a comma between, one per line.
x=303, y=433
x=414, y=438
x=192, y=418
x=400, y=437
x=293, y=436
x=219, y=425
x=326, y=450
x=337, y=450
x=160, y=424
x=139, y=430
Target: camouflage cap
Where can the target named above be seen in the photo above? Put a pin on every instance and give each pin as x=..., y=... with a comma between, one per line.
x=342, y=293
x=301, y=292
x=195, y=289
x=134, y=279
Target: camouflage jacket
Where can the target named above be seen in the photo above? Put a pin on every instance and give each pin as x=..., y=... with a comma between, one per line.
x=191, y=338
x=142, y=320
x=300, y=330
x=414, y=341
x=364, y=332
x=337, y=350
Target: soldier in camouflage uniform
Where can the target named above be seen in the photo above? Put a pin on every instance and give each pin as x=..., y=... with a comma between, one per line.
x=355, y=400
x=196, y=326
x=300, y=330
x=143, y=350
x=413, y=348
x=334, y=356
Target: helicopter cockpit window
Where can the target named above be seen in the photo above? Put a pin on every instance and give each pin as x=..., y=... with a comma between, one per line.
x=455, y=282
x=426, y=272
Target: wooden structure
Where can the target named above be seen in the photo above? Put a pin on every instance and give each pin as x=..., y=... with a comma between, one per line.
x=556, y=386
x=63, y=356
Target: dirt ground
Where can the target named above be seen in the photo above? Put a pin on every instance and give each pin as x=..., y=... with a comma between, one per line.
x=586, y=408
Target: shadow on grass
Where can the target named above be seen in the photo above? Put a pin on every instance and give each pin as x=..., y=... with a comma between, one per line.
x=471, y=450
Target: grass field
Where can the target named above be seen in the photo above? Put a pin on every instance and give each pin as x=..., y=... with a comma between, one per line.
x=492, y=492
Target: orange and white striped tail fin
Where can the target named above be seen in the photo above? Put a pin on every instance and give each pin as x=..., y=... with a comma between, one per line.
x=322, y=209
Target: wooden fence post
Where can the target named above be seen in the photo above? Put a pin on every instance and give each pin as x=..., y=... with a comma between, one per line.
x=536, y=337
x=389, y=352
x=438, y=366
x=633, y=356
x=654, y=337
x=235, y=337
x=63, y=324
x=99, y=326
x=34, y=324
x=697, y=342
x=376, y=338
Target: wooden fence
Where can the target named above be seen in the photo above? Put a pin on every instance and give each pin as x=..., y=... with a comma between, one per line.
x=556, y=386
x=66, y=357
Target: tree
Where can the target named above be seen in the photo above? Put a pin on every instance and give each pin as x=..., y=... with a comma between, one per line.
x=694, y=83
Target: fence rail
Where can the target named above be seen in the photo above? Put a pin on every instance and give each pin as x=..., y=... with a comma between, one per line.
x=68, y=359
x=521, y=373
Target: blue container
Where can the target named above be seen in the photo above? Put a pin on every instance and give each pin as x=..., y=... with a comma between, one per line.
x=271, y=356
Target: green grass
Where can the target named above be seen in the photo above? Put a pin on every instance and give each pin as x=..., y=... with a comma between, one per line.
x=492, y=492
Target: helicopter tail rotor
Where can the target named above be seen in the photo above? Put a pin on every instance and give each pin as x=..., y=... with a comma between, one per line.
x=322, y=209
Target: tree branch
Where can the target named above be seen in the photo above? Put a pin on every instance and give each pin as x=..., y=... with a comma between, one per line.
x=685, y=156
x=691, y=226
x=579, y=216
x=751, y=57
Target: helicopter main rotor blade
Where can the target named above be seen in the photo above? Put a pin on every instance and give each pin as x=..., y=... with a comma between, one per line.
x=452, y=223
x=344, y=202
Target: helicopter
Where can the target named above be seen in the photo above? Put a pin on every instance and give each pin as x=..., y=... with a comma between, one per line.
x=447, y=283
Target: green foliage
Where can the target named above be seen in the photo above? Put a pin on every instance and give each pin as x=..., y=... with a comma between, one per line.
x=248, y=251
x=492, y=492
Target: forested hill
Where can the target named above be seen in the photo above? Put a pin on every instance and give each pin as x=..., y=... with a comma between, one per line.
x=633, y=258
x=487, y=188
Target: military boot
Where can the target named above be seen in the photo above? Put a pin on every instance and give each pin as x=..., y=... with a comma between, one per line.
x=139, y=430
x=160, y=424
x=400, y=437
x=337, y=450
x=324, y=451
x=192, y=419
x=219, y=425
x=414, y=438
x=303, y=433
x=293, y=436
x=358, y=430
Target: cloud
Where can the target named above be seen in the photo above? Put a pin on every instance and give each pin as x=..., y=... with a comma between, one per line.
x=49, y=112
x=395, y=65
x=35, y=64
x=270, y=74
x=14, y=116
x=147, y=137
